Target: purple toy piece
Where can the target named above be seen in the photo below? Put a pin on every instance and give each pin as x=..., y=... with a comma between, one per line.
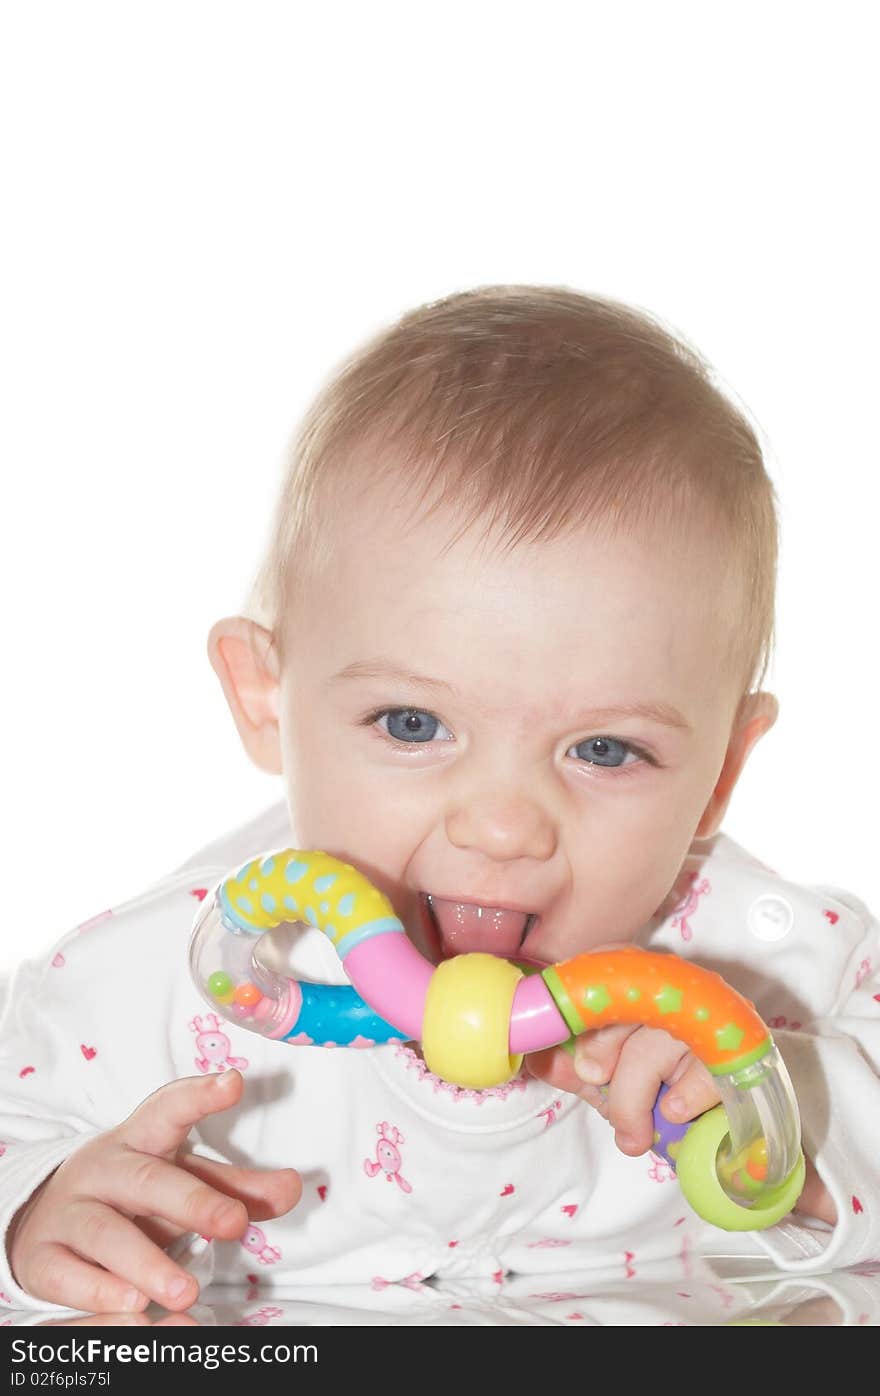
x=666, y=1132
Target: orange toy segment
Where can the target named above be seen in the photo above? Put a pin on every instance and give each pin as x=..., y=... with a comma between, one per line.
x=693, y=1004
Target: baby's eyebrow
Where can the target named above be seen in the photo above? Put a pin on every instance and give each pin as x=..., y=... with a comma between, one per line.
x=663, y=713
x=379, y=668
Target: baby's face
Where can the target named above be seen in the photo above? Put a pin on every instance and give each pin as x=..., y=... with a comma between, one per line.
x=516, y=748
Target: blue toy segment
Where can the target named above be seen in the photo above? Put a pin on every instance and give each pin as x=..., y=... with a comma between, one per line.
x=345, y=941
x=336, y=1013
x=667, y=1136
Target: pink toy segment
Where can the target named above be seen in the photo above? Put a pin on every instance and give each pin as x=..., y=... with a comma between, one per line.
x=535, y=1021
x=393, y=977
x=288, y=1013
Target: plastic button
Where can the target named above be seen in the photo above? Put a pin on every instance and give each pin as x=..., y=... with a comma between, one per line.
x=770, y=918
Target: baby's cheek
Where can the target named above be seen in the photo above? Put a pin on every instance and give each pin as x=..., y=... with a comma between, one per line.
x=324, y=801
x=617, y=896
x=349, y=813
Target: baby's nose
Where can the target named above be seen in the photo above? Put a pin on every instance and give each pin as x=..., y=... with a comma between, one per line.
x=502, y=826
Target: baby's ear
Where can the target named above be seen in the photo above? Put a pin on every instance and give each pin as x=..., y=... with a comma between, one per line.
x=244, y=658
x=756, y=715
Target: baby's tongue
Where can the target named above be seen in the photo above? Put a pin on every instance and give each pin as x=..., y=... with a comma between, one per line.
x=465, y=927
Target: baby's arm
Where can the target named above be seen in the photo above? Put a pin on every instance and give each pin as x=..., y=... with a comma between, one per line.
x=85, y=1046
x=834, y=1062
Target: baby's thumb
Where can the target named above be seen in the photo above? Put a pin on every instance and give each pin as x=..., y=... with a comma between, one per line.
x=555, y=1066
x=161, y=1123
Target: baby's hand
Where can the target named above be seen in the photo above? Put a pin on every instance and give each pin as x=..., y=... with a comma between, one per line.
x=92, y=1236
x=620, y=1069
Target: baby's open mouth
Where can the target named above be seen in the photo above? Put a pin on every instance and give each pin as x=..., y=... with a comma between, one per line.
x=458, y=928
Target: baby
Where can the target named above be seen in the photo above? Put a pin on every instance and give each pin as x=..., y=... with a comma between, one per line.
x=506, y=651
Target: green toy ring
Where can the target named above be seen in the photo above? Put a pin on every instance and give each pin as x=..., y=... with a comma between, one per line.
x=697, y=1171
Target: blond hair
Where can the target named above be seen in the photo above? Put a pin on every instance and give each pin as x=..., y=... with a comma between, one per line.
x=537, y=409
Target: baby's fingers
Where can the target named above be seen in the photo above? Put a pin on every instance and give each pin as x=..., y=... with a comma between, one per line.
x=554, y=1066
x=52, y=1272
x=648, y=1058
x=264, y=1192
x=143, y=1185
x=100, y=1234
x=692, y=1091
x=161, y=1123
x=596, y=1053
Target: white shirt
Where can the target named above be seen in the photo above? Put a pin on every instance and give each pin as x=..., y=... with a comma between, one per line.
x=519, y=1180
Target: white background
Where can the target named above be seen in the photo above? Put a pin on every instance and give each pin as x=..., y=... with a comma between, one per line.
x=207, y=205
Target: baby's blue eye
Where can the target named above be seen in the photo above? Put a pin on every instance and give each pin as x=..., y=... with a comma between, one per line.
x=603, y=751
x=411, y=724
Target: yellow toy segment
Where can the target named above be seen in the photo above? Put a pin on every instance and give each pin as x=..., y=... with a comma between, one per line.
x=293, y=885
x=466, y=1030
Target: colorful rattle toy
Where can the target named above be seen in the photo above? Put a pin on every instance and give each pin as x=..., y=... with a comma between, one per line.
x=740, y=1165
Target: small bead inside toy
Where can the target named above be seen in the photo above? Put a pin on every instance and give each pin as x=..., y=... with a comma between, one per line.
x=247, y=995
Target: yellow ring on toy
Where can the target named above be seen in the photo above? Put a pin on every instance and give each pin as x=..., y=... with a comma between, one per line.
x=466, y=1028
